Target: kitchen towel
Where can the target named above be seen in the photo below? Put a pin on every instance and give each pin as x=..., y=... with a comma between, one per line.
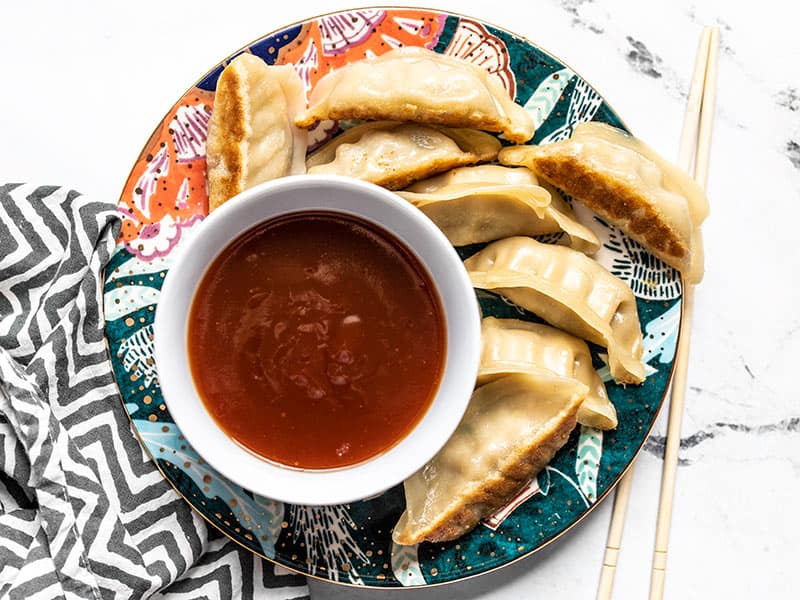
x=84, y=512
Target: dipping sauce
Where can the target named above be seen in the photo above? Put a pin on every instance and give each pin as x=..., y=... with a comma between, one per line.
x=316, y=340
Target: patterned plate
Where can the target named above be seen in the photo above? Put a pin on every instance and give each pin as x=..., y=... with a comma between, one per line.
x=165, y=198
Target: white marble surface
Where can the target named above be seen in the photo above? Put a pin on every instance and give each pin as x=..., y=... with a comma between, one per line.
x=85, y=83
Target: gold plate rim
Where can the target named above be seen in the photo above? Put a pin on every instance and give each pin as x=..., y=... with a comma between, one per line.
x=494, y=569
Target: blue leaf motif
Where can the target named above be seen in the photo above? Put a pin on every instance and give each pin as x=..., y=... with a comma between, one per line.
x=120, y=301
x=660, y=339
x=583, y=105
x=405, y=565
x=587, y=460
x=661, y=335
x=544, y=99
x=255, y=513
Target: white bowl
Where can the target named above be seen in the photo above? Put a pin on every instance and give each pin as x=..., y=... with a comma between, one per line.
x=339, y=195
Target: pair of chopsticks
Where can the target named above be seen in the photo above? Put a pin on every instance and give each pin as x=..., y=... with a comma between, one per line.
x=695, y=143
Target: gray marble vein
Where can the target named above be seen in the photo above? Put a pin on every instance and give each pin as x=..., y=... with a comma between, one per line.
x=643, y=60
x=572, y=7
x=793, y=153
x=656, y=444
x=789, y=97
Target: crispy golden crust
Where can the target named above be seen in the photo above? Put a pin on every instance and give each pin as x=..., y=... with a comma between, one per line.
x=226, y=134
x=407, y=112
x=496, y=493
x=615, y=201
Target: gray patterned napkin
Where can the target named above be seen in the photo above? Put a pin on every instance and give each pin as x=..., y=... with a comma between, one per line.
x=84, y=513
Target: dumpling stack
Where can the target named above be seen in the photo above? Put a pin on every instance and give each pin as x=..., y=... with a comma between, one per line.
x=427, y=113
x=415, y=84
x=425, y=119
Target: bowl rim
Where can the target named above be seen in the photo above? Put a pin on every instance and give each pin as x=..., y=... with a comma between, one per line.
x=461, y=322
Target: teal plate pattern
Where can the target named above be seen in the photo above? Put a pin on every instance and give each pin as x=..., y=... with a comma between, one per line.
x=165, y=198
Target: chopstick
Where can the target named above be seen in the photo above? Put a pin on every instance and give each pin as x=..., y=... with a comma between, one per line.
x=614, y=540
x=658, y=572
x=698, y=117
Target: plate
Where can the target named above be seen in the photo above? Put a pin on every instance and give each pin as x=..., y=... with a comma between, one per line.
x=165, y=198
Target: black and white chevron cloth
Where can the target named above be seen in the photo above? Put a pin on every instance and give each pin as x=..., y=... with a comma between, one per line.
x=83, y=511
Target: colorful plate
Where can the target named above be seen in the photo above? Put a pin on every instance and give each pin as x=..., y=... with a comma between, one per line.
x=165, y=198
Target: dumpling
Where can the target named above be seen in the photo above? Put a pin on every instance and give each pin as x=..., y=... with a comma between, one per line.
x=490, y=202
x=416, y=84
x=394, y=155
x=569, y=290
x=581, y=238
x=514, y=346
x=629, y=185
x=252, y=137
x=512, y=428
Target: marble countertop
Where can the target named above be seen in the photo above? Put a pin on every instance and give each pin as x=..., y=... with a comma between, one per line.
x=86, y=83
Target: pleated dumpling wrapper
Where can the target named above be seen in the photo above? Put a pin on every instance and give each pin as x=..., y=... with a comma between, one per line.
x=629, y=185
x=252, y=137
x=569, y=290
x=489, y=202
x=515, y=346
x=394, y=155
x=416, y=84
x=511, y=429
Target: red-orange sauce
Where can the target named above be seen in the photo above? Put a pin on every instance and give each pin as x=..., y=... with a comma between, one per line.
x=316, y=340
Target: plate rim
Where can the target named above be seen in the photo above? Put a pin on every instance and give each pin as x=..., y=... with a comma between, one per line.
x=611, y=486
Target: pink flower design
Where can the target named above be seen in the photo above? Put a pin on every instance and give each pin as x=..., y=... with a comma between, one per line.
x=307, y=63
x=189, y=130
x=158, y=239
x=147, y=185
x=342, y=31
x=473, y=43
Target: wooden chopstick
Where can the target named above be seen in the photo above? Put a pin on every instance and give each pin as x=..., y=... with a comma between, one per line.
x=658, y=572
x=688, y=144
x=614, y=540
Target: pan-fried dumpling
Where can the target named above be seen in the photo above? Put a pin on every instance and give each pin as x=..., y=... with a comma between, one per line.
x=395, y=154
x=569, y=290
x=629, y=185
x=252, y=137
x=514, y=346
x=490, y=202
x=512, y=428
x=416, y=84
